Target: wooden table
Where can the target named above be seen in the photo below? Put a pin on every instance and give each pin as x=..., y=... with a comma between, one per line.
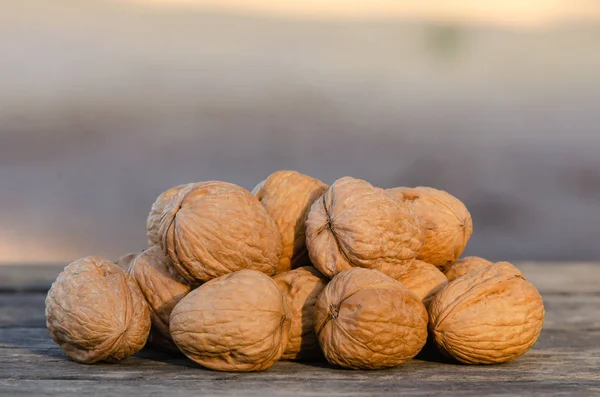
x=565, y=361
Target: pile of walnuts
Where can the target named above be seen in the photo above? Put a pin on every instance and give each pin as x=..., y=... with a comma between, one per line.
x=350, y=273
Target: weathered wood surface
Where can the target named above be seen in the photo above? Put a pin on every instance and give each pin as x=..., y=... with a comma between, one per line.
x=564, y=362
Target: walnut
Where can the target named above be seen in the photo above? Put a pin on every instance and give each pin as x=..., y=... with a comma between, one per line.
x=153, y=221
x=161, y=285
x=125, y=261
x=423, y=279
x=236, y=322
x=367, y=320
x=466, y=265
x=287, y=196
x=446, y=223
x=96, y=312
x=490, y=316
x=214, y=228
x=357, y=225
x=301, y=288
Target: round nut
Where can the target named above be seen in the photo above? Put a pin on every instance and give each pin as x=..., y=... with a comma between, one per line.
x=488, y=317
x=153, y=221
x=160, y=284
x=95, y=312
x=423, y=279
x=237, y=322
x=466, y=265
x=357, y=225
x=301, y=288
x=125, y=261
x=367, y=320
x=445, y=221
x=287, y=196
x=215, y=228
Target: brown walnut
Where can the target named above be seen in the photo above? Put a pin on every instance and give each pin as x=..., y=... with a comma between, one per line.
x=236, y=322
x=161, y=286
x=125, y=261
x=301, y=288
x=211, y=229
x=357, y=225
x=445, y=221
x=423, y=279
x=153, y=221
x=488, y=317
x=287, y=196
x=466, y=265
x=367, y=320
x=96, y=312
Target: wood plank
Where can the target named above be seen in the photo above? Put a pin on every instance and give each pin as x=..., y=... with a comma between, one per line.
x=565, y=360
x=330, y=388
x=551, y=364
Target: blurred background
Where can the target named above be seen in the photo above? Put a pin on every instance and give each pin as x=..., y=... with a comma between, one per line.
x=104, y=104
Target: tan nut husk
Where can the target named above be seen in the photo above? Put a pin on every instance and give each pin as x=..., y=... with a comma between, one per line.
x=161, y=286
x=237, y=322
x=96, y=312
x=488, y=317
x=445, y=221
x=466, y=265
x=301, y=288
x=211, y=229
x=287, y=196
x=153, y=221
x=423, y=279
x=357, y=225
x=367, y=320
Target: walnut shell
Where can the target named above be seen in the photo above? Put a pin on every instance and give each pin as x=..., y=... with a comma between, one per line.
x=96, y=312
x=153, y=221
x=301, y=288
x=466, y=265
x=423, y=279
x=357, y=225
x=287, y=196
x=488, y=317
x=446, y=223
x=160, y=284
x=214, y=228
x=367, y=320
x=125, y=261
x=237, y=322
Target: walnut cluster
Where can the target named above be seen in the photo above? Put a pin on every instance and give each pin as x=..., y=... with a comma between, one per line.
x=351, y=273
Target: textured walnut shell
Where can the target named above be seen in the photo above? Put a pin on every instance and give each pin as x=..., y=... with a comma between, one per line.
x=161, y=286
x=125, y=261
x=367, y=320
x=423, y=279
x=357, y=225
x=153, y=221
x=446, y=223
x=466, y=265
x=214, y=228
x=96, y=312
x=237, y=322
x=488, y=317
x=287, y=196
x=301, y=288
